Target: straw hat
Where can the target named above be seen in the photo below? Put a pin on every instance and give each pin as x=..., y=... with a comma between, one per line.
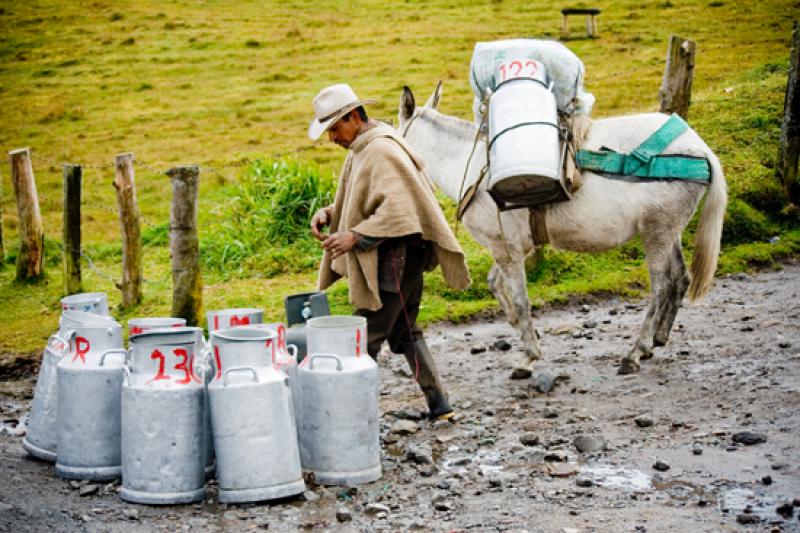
x=331, y=104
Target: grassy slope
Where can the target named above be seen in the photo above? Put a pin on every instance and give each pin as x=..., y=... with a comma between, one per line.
x=225, y=82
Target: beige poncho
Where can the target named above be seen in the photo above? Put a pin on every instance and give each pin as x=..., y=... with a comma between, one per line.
x=384, y=192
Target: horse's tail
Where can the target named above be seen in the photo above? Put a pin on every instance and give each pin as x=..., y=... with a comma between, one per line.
x=709, y=233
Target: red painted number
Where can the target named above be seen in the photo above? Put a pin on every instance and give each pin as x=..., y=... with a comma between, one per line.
x=236, y=321
x=358, y=343
x=135, y=330
x=180, y=352
x=516, y=68
x=161, y=359
x=186, y=364
x=81, y=348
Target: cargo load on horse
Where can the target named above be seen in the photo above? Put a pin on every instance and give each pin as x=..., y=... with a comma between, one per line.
x=531, y=107
x=527, y=93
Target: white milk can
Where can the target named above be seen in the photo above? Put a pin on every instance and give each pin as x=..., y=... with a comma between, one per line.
x=524, y=154
x=337, y=425
x=42, y=436
x=284, y=356
x=140, y=325
x=228, y=350
x=343, y=335
x=88, y=302
x=252, y=421
x=73, y=319
x=41, y=439
x=89, y=379
x=231, y=318
x=163, y=418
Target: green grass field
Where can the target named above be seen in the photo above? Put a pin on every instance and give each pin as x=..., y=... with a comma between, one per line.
x=221, y=84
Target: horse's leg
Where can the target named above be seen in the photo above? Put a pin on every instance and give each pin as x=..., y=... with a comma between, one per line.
x=679, y=282
x=499, y=289
x=513, y=273
x=657, y=250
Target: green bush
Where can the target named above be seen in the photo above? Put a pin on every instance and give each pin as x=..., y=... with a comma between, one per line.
x=745, y=224
x=265, y=228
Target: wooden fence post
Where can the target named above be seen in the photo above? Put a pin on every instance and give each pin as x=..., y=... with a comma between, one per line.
x=72, y=229
x=30, y=261
x=2, y=244
x=676, y=87
x=131, y=285
x=184, y=246
x=789, y=150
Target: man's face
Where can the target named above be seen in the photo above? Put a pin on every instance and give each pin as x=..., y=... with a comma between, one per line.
x=344, y=131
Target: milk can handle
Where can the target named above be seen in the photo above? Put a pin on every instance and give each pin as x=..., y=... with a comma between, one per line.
x=325, y=356
x=115, y=350
x=127, y=372
x=292, y=349
x=64, y=342
x=239, y=369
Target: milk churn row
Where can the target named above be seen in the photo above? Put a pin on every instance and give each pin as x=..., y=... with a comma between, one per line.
x=100, y=411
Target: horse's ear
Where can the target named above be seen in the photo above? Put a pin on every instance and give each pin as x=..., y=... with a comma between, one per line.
x=433, y=101
x=407, y=103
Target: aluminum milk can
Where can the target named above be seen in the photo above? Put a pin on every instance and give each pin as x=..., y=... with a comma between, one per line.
x=140, y=325
x=163, y=419
x=89, y=379
x=229, y=348
x=253, y=423
x=41, y=439
x=345, y=336
x=524, y=152
x=42, y=436
x=230, y=318
x=337, y=423
x=299, y=308
x=88, y=302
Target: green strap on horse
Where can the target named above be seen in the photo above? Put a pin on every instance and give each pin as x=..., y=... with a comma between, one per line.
x=645, y=163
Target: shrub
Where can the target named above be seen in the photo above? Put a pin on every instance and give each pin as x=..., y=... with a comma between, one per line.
x=745, y=224
x=265, y=226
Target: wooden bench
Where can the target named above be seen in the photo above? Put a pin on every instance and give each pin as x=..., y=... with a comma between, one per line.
x=591, y=21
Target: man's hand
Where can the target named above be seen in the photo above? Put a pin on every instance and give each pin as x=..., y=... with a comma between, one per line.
x=340, y=243
x=320, y=219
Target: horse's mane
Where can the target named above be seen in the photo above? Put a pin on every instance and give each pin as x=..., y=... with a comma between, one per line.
x=447, y=124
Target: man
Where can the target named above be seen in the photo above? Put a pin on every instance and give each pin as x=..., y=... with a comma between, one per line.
x=386, y=229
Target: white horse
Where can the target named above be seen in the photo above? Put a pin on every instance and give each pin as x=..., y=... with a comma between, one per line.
x=603, y=214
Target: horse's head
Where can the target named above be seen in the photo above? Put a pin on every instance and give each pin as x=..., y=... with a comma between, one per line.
x=408, y=110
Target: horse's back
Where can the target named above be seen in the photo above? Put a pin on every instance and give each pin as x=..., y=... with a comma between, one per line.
x=607, y=212
x=625, y=133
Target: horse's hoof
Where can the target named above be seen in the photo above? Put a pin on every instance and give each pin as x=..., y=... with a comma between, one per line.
x=658, y=342
x=521, y=373
x=628, y=366
x=646, y=355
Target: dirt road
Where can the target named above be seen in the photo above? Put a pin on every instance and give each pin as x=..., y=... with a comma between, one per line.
x=705, y=438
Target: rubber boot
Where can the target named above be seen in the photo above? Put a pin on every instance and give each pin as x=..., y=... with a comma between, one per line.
x=424, y=370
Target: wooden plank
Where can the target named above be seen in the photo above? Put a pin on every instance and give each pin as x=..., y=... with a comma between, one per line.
x=130, y=226
x=30, y=261
x=676, y=87
x=789, y=146
x=71, y=229
x=184, y=246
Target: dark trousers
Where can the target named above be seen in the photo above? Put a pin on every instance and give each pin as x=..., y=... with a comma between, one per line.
x=396, y=321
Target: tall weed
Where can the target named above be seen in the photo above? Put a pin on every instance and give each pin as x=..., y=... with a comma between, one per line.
x=265, y=228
